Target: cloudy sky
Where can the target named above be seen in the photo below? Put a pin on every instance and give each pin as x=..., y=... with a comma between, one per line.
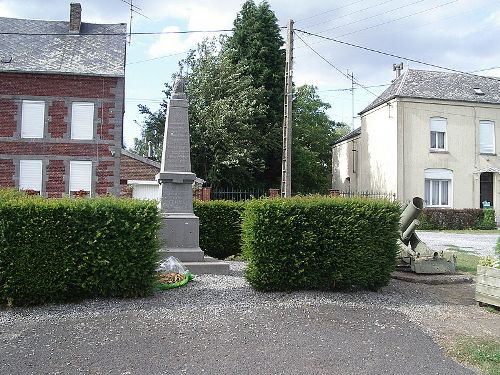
x=457, y=34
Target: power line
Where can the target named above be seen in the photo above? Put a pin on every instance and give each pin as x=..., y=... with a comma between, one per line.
x=349, y=88
x=337, y=69
x=350, y=14
x=157, y=58
x=108, y=34
x=373, y=16
x=389, y=54
x=328, y=11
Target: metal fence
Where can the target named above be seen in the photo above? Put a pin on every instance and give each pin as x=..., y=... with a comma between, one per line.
x=368, y=194
x=237, y=195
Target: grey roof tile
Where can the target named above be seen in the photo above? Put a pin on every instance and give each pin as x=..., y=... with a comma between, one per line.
x=356, y=132
x=423, y=84
x=83, y=53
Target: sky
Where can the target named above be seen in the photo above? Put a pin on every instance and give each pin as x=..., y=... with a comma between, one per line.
x=456, y=34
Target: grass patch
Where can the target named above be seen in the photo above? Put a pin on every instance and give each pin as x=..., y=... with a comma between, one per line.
x=466, y=261
x=484, y=354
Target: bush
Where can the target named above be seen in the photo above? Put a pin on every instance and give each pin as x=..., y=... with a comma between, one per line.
x=320, y=243
x=220, y=227
x=65, y=249
x=449, y=218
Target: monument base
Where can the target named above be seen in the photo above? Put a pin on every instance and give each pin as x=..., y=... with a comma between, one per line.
x=179, y=236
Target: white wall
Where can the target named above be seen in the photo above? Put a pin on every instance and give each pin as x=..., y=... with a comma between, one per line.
x=378, y=150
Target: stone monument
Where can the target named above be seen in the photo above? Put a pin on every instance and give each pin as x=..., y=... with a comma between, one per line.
x=179, y=230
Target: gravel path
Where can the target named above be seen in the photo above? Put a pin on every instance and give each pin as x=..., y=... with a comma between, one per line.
x=218, y=324
x=483, y=244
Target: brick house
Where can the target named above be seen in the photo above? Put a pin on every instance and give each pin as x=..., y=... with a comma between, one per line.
x=61, y=105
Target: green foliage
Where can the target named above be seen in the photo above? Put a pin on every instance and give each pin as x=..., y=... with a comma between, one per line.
x=152, y=128
x=220, y=227
x=313, y=137
x=65, y=249
x=257, y=45
x=449, y=218
x=320, y=243
x=226, y=145
x=489, y=261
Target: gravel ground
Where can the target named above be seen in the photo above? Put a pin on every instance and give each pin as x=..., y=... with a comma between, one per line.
x=482, y=244
x=218, y=324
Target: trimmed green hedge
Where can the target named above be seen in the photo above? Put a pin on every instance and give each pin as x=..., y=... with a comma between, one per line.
x=66, y=249
x=220, y=227
x=449, y=218
x=320, y=243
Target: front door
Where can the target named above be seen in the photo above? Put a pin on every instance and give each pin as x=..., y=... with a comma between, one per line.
x=486, y=190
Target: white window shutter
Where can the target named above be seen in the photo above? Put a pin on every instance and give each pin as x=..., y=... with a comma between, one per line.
x=80, y=176
x=30, y=175
x=32, y=119
x=438, y=124
x=82, y=121
x=486, y=137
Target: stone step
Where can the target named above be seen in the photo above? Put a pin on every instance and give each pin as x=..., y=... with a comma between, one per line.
x=208, y=266
x=184, y=255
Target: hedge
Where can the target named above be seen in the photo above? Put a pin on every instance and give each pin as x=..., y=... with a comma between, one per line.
x=220, y=227
x=54, y=250
x=320, y=243
x=449, y=218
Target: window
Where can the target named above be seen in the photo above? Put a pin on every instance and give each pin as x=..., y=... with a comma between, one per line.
x=80, y=177
x=32, y=119
x=438, y=133
x=486, y=137
x=82, y=121
x=438, y=187
x=30, y=175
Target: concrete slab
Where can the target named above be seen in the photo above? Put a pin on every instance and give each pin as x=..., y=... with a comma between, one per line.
x=455, y=278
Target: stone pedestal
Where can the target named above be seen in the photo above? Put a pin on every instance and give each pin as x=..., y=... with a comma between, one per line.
x=179, y=231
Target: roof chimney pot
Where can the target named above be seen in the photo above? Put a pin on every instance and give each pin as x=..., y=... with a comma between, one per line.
x=75, y=18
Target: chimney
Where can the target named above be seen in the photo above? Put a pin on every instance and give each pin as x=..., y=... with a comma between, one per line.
x=75, y=18
x=397, y=68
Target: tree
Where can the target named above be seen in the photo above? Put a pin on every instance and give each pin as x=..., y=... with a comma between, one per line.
x=257, y=44
x=153, y=128
x=313, y=136
x=224, y=106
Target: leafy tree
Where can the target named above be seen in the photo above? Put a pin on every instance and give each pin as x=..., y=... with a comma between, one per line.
x=226, y=146
x=152, y=128
x=313, y=135
x=257, y=44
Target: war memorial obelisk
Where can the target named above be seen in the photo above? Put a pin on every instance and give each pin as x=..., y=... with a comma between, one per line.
x=179, y=232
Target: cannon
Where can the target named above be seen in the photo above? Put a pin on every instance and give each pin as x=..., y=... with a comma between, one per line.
x=414, y=253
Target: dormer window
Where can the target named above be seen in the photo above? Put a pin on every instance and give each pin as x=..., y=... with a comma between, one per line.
x=478, y=91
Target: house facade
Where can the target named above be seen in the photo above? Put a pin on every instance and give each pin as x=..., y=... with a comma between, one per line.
x=61, y=105
x=430, y=134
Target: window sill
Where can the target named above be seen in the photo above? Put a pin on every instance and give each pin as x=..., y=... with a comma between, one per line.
x=437, y=151
x=438, y=207
x=487, y=154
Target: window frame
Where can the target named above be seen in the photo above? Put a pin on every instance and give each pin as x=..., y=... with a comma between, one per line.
x=25, y=164
x=493, y=144
x=72, y=165
x=78, y=130
x=441, y=176
x=437, y=126
x=40, y=130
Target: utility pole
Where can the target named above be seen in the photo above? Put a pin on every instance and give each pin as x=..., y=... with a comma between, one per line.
x=286, y=162
x=352, y=99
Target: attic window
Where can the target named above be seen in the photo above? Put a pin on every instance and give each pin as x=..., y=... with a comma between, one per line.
x=6, y=60
x=478, y=91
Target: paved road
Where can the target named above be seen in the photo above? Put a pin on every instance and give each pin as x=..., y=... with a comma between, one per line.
x=219, y=325
x=483, y=244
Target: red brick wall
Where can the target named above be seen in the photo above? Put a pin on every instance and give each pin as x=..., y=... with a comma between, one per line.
x=59, y=91
x=132, y=169
x=58, y=85
x=55, y=178
x=57, y=126
x=8, y=124
x=7, y=171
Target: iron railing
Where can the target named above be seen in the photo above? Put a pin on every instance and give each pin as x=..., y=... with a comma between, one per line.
x=237, y=195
